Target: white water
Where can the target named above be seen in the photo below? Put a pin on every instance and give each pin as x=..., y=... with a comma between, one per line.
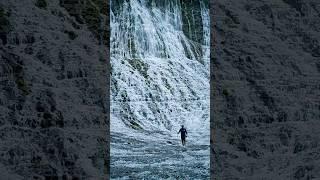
x=173, y=89
x=144, y=32
x=155, y=88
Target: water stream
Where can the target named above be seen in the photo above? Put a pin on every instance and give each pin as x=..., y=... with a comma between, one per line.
x=160, y=80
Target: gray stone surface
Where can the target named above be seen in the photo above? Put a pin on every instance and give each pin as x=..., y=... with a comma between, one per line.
x=53, y=102
x=265, y=82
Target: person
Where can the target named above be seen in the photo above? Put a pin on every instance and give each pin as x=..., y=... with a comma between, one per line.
x=184, y=133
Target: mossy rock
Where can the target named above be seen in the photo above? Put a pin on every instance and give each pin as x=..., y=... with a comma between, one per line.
x=135, y=125
x=167, y=85
x=103, y=6
x=92, y=17
x=71, y=34
x=140, y=66
x=42, y=4
x=93, y=13
x=22, y=85
x=225, y=92
x=124, y=96
x=45, y=123
x=5, y=26
x=191, y=20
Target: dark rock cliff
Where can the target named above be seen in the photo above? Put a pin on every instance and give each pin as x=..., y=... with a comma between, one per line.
x=265, y=89
x=53, y=81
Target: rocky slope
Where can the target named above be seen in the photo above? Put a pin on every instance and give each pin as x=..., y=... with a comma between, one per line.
x=265, y=97
x=53, y=120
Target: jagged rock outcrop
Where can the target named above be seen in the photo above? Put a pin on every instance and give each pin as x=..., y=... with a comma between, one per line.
x=53, y=81
x=265, y=89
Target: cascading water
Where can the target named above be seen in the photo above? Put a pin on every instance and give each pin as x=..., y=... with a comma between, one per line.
x=151, y=66
x=160, y=69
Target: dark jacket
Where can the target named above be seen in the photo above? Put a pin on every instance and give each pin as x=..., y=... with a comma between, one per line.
x=183, y=132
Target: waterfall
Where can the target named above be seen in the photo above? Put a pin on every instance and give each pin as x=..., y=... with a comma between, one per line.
x=160, y=76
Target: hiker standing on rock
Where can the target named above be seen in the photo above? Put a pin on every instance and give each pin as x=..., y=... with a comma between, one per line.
x=183, y=134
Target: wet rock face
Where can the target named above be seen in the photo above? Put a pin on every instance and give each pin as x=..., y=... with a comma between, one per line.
x=92, y=13
x=5, y=26
x=187, y=14
x=52, y=80
x=265, y=79
x=192, y=21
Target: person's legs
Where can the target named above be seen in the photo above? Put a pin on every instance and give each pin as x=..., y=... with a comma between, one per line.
x=183, y=141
